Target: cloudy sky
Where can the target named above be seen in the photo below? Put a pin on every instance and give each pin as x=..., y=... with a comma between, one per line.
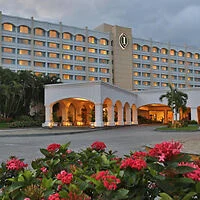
x=175, y=21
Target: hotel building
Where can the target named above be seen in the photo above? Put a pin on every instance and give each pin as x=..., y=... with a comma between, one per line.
x=109, y=54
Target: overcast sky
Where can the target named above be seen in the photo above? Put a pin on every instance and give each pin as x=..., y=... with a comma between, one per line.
x=175, y=21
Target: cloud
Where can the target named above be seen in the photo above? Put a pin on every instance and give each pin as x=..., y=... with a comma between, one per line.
x=161, y=20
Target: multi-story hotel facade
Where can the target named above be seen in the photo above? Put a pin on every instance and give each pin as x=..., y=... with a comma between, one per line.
x=109, y=54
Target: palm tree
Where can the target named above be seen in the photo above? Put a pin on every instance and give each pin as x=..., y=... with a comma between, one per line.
x=177, y=100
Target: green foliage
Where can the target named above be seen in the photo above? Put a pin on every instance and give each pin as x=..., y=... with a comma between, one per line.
x=91, y=168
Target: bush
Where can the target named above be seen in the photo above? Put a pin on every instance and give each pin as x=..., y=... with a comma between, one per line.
x=97, y=174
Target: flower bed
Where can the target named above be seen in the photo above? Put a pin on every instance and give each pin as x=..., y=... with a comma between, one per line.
x=162, y=172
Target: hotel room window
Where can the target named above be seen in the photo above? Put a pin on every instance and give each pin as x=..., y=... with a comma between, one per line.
x=39, y=64
x=79, y=38
x=92, y=78
x=8, y=39
x=39, y=32
x=181, y=54
x=53, y=45
x=79, y=68
x=136, y=47
x=67, y=67
x=24, y=41
x=92, y=50
x=105, y=52
x=181, y=62
x=164, y=60
x=79, y=48
x=24, y=52
x=53, y=34
x=24, y=62
x=53, y=65
x=67, y=77
x=164, y=68
x=155, y=59
x=172, y=52
x=155, y=50
x=53, y=55
x=104, y=70
x=164, y=51
x=8, y=61
x=79, y=58
x=67, y=57
x=189, y=55
x=8, y=27
x=67, y=47
x=93, y=69
x=145, y=57
x=136, y=56
x=39, y=43
x=103, y=41
x=145, y=48
x=80, y=78
x=136, y=65
x=155, y=67
x=196, y=56
x=39, y=53
x=92, y=40
x=24, y=29
x=67, y=36
x=93, y=60
x=8, y=50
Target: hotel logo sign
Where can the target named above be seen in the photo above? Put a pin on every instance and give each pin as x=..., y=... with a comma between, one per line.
x=123, y=41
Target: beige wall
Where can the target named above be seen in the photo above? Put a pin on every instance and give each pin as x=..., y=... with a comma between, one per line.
x=122, y=58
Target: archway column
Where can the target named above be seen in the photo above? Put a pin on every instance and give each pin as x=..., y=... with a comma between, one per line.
x=134, y=115
x=98, y=115
x=128, y=116
x=120, y=120
x=194, y=114
x=111, y=115
x=48, y=116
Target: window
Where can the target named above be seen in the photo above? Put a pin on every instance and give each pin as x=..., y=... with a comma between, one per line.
x=163, y=51
x=190, y=78
x=181, y=54
x=196, y=56
x=93, y=69
x=92, y=78
x=104, y=70
x=67, y=67
x=172, y=61
x=91, y=50
x=24, y=52
x=136, y=65
x=136, y=47
x=39, y=32
x=8, y=27
x=156, y=67
x=137, y=82
x=145, y=57
x=155, y=50
x=181, y=70
x=104, y=79
x=24, y=41
x=8, y=50
x=189, y=71
x=173, y=69
x=53, y=65
x=181, y=85
x=155, y=59
x=80, y=78
x=197, y=72
x=8, y=61
x=79, y=68
x=180, y=62
x=164, y=60
x=155, y=84
x=67, y=77
x=92, y=40
x=155, y=75
x=39, y=43
x=105, y=52
x=79, y=58
x=24, y=62
x=24, y=29
x=8, y=39
x=145, y=66
x=164, y=68
x=67, y=36
x=172, y=52
x=103, y=41
x=173, y=77
x=104, y=61
x=39, y=64
x=53, y=34
x=145, y=74
x=136, y=74
x=79, y=48
x=136, y=56
x=164, y=76
x=67, y=47
x=145, y=48
x=92, y=59
x=39, y=53
x=53, y=55
x=196, y=64
x=79, y=38
x=181, y=78
x=189, y=55
x=53, y=45
x=146, y=83
x=164, y=84
x=67, y=57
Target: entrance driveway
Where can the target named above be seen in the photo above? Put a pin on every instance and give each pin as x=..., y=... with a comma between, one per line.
x=25, y=143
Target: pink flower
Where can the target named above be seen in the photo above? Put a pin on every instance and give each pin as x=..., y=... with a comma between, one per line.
x=53, y=147
x=55, y=196
x=27, y=198
x=65, y=177
x=138, y=164
x=69, y=151
x=15, y=164
x=98, y=145
x=165, y=150
x=44, y=170
x=195, y=174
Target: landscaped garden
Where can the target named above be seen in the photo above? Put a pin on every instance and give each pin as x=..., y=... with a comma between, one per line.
x=94, y=173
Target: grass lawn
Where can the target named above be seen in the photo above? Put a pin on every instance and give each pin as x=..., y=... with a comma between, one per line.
x=188, y=128
x=4, y=125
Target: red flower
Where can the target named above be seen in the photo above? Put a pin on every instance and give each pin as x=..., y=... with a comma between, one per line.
x=133, y=163
x=74, y=196
x=44, y=170
x=139, y=154
x=195, y=174
x=53, y=147
x=109, y=181
x=65, y=177
x=165, y=150
x=15, y=164
x=55, y=196
x=98, y=145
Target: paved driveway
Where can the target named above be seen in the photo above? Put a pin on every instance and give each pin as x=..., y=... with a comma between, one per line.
x=122, y=140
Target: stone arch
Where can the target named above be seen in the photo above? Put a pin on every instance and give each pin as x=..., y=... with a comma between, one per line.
x=108, y=112
x=134, y=114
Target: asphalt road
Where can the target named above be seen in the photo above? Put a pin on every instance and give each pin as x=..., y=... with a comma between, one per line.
x=123, y=140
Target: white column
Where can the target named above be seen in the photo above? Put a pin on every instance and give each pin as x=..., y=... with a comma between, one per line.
x=111, y=115
x=134, y=116
x=120, y=116
x=98, y=115
x=48, y=116
x=128, y=116
x=194, y=114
